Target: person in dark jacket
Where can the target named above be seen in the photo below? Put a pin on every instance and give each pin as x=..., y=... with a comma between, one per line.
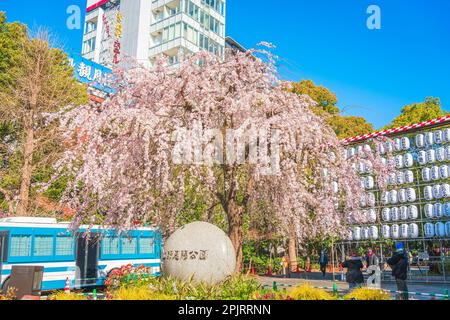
x=354, y=274
x=323, y=261
x=399, y=265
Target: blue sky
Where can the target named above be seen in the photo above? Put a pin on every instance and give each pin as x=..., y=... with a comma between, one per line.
x=373, y=72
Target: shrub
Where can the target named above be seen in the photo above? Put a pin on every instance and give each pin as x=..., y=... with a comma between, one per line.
x=139, y=293
x=62, y=296
x=127, y=276
x=9, y=295
x=307, y=292
x=367, y=294
x=271, y=295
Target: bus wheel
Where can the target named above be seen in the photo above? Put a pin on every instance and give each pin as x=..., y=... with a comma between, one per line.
x=5, y=285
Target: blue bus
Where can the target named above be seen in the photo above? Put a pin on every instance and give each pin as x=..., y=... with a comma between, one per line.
x=85, y=261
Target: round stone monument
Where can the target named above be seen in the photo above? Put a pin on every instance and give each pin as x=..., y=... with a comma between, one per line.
x=199, y=250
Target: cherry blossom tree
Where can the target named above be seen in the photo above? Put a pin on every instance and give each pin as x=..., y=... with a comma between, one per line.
x=227, y=127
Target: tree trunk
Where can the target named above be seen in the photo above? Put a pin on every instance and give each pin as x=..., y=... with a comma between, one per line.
x=235, y=231
x=293, y=253
x=27, y=170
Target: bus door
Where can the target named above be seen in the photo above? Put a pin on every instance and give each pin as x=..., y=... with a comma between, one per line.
x=87, y=254
x=4, y=236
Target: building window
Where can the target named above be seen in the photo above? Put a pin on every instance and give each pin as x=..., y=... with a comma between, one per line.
x=20, y=246
x=146, y=245
x=64, y=245
x=111, y=245
x=89, y=45
x=43, y=246
x=89, y=27
x=129, y=246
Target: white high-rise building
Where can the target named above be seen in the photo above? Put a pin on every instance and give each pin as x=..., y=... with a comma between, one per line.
x=145, y=29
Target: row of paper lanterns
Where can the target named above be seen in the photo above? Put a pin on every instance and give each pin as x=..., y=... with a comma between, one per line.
x=404, y=231
x=435, y=173
x=432, y=211
x=430, y=156
x=402, y=144
x=402, y=196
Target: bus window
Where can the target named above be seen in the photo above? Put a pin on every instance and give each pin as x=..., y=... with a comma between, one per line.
x=20, y=246
x=64, y=246
x=146, y=245
x=43, y=246
x=110, y=245
x=129, y=246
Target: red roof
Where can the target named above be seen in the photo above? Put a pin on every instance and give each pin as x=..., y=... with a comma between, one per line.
x=397, y=130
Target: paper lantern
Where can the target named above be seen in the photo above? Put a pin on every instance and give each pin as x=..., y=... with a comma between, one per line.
x=411, y=194
x=413, y=212
x=445, y=190
x=444, y=171
x=422, y=157
x=357, y=233
x=408, y=160
x=447, y=153
x=403, y=213
x=335, y=187
x=429, y=211
x=392, y=179
x=402, y=196
x=363, y=202
x=406, y=143
x=437, y=194
x=371, y=199
x=404, y=231
x=350, y=235
x=361, y=167
x=429, y=138
x=409, y=176
x=447, y=229
x=386, y=214
x=386, y=231
x=440, y=154
x=420, y=141
x=429, y=230
x=369, y=168
x=369, y=183
x=365, y=233
x=372, y=216
x=393, y=196
x=398, y=144
x=395, y=214
x=373, y=233
x=367, y=148
x=399, y=161
x=438, y=137
x=395, y=231
x=400, y=178
x=431, y=156
x=426, y=174
x=435, y=174
x=352, y=152
x=389, y=147
x=428, y=193
x=447, y=209
x=363, y=183
x=384, y=161
x=439, y=229
x=382, y=148
x=413, y=230
x=385, y=198
x=438, y=211
x=447, y=135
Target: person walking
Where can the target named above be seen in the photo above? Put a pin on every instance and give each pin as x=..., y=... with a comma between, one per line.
x=399, y=265
x=354, y=273
x=323, y=261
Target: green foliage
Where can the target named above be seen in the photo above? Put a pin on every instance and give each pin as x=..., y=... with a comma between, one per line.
x=367, y=294
x=343, y=126
x=326, y=100
x=349, y=126
x=9, y=295
x=62, y=296
x=419, y=112
x=136, y=293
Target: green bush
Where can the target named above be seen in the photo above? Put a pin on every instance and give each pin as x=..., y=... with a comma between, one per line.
x=367, y=294
x=307, y=292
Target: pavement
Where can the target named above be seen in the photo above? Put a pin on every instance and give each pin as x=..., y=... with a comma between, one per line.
x=316, y=279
